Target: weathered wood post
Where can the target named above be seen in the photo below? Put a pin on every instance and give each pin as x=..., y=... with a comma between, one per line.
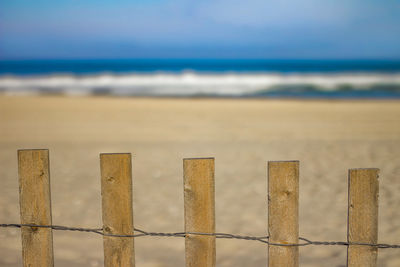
x=283, y=213
x=199, y=211
x=116, y=191
x=363, y=217
x=35, y=207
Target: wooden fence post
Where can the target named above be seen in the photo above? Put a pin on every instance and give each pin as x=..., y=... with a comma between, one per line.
x=35, y=207
x=363, y=217
x=283, y=213
x=199, y=211
x=116, y=191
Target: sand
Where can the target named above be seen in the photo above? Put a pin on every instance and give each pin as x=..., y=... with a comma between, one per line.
x=328, y=137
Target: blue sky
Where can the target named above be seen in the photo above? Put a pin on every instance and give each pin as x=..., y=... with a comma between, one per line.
x=306, y=29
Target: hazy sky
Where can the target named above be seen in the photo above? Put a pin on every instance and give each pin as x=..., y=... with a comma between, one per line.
x=198, y=29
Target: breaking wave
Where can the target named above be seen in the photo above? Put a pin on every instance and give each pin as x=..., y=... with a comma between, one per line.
x=189, y=84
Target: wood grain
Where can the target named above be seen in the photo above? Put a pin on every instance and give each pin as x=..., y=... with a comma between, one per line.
x=35, y=207
x=363, y=217
x=116, y=191
x=283, y=212
x=199, y=211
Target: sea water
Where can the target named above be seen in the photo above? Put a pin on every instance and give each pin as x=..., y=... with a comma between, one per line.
x=204, y=77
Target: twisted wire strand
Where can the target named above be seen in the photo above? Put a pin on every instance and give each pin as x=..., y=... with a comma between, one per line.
x=141, y=233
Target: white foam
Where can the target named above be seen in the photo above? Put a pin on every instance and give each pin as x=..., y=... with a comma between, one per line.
x=188, y=83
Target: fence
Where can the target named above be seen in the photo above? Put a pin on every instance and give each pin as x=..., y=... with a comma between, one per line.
x=200, y=249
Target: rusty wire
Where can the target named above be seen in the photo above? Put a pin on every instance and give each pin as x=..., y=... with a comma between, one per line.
x=141, y=233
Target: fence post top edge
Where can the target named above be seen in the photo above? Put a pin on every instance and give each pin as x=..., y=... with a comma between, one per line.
x=32, y=149
x=364, y=169
x=200, y=158
x=283, y=161
x=107, y=154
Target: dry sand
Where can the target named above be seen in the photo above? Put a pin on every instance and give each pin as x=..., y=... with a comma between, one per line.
x=328, y=137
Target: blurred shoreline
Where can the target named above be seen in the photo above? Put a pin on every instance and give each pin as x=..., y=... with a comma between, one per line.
x=195, y=84
x=236, y=78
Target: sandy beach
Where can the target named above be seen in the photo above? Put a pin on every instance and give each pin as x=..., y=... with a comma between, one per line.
x=328, y=137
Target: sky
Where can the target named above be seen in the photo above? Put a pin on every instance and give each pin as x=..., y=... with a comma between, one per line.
x=295, y=29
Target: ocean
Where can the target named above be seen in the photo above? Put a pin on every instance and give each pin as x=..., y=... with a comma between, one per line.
x=204, y=78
